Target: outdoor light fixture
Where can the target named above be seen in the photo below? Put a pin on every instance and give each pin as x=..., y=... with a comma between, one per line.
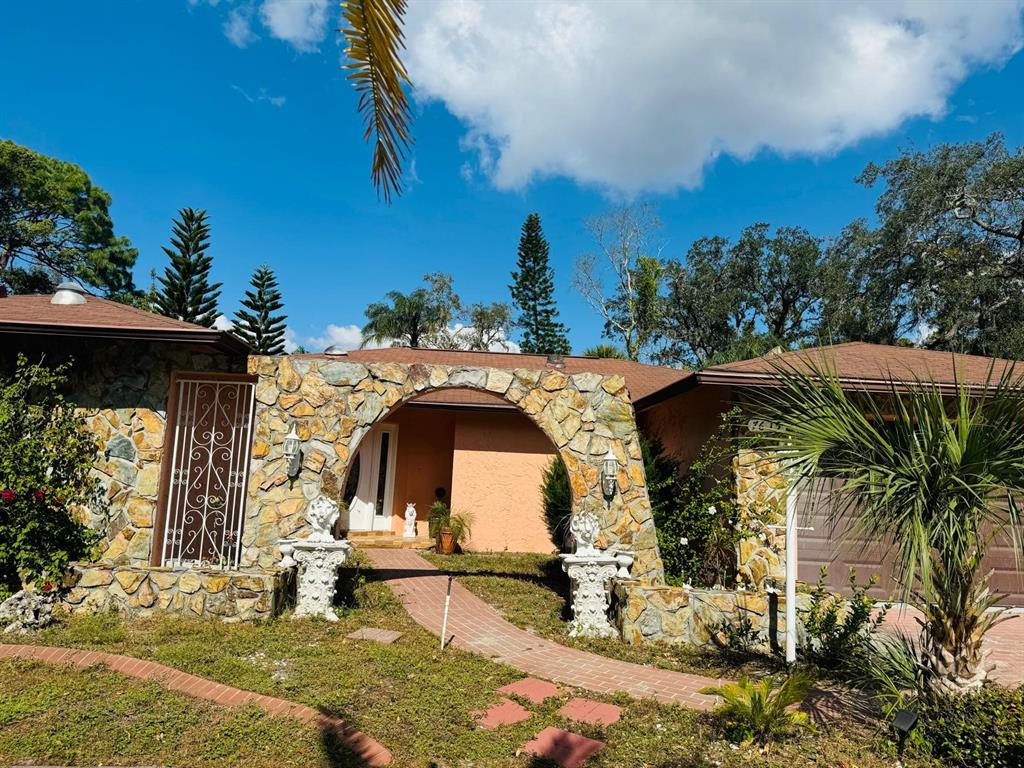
x=291, y=451
x=609, y=474
x=903, y=723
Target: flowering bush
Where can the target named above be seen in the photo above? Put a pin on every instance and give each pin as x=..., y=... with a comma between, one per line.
x=45, y=458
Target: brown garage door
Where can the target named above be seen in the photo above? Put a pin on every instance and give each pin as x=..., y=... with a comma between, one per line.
x=840, y=549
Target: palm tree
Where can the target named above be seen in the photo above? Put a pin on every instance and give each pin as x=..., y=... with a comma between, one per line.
x=407, y=321
x=936, y=472
x=605, y=351
x=373, y=34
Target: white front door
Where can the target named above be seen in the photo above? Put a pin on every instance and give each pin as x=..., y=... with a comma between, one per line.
x=370, y=508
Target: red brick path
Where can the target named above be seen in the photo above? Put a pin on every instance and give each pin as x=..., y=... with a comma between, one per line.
x=476, y=627
x=372, y=752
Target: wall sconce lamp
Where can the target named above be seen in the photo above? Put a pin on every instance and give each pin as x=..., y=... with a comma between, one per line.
x=292, y=452
x=609, y=474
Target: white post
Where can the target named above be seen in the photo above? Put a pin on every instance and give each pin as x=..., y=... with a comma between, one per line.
x=447, y=602
x=791, y=566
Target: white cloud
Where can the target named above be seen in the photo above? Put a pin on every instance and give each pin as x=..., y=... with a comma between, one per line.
x=641, y=95
x=302, y=23
x=222, y=323
x=262, y=96
x=238, y=26
x=344, y=336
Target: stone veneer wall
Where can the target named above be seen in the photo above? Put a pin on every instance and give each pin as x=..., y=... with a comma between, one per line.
x=143, y=591
x=761, y=498
x=334, y=403
x=122, y=390
x=683, y=616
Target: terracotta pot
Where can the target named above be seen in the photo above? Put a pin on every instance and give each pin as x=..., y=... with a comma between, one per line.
x=445, y=541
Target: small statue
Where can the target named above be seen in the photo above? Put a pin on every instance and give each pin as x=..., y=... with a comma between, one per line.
x=585, y=529
x=410, y=521
x=321, y=515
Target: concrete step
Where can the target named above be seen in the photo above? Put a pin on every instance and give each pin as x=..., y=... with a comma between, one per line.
x=388, y=541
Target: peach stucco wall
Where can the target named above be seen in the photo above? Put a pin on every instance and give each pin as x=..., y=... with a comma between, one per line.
x=497, y=470
x=424, y=462
x=684, y=422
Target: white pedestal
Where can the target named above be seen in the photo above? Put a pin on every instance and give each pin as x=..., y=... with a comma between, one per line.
x=318, y=563
x=590, y=575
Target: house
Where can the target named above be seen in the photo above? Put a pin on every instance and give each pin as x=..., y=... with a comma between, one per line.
x=199, y=489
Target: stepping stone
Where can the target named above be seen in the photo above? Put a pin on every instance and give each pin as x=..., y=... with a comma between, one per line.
x=386, y=636
x=531, y=689
x=591, y=712
x=504, y=712
x=569, y=750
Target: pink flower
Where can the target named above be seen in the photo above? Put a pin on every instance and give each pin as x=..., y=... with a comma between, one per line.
x=7, y=494
x=39, y=494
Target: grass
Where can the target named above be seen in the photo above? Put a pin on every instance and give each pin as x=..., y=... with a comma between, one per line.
x=417, y=701
x=532, y=592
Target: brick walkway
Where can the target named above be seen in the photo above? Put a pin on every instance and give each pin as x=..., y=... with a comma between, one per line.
x=199, y=687
x=476, y=627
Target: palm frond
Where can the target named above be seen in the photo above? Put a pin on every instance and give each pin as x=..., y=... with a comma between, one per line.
x=374, y=38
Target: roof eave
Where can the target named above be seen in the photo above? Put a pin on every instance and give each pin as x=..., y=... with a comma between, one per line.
x=220, y=339
x=760, y=379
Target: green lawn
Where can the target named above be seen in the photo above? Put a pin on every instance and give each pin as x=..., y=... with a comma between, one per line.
x=532, y=592
x=417, y=701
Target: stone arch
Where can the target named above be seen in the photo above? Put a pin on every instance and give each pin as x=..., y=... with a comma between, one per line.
x=335, y=402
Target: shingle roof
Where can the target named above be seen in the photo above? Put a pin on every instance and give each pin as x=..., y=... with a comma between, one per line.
x=867, y=364
x=34, y=314
x=641, y=380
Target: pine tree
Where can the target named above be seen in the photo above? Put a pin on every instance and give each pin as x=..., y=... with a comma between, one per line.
x=256, y=324
x=533, y=290
x=185, y=291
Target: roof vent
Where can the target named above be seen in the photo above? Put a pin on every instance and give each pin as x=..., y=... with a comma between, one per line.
x=556, y=361
x=69, y=292
x=335, y=351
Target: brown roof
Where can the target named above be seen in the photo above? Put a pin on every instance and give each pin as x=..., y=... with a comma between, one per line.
x=102, y=318
x=641, y=380
x=867, y=365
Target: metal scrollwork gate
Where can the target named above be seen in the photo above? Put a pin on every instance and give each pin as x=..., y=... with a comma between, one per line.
x=206, y=455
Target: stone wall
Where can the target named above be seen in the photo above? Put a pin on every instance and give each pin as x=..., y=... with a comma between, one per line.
x=761, y=499
x=334, y=403
x=684, y=616
x=144, y=591
x=122, y=391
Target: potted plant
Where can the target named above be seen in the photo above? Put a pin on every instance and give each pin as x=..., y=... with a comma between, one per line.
x=448, y=529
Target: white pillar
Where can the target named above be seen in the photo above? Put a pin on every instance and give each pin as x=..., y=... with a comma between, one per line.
x=791, y=566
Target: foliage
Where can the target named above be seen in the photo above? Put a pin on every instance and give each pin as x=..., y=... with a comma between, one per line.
x=839, y=629
x=631, y=306
x=950, y=244
x=605, y=352
x=557, y=497
x=983, y=730
x=734, y=301
x=533, y=289
x=889, y=671
x=45, y=460
x=757, y=711
x=461, y=526
x=736, y=634
x=434, y=317
x=185, y=291
x=256, y=324
x=699, y=531
x=937, y=473
x=374, y=37
x=55, y=223
x=440, y=516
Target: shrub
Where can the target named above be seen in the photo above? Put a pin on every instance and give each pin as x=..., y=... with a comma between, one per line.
x=45, y=458
x=737, y=634
x=757, y=711
x=440, y=517
x=838, y=630
x=981, y=730
x=699, y=530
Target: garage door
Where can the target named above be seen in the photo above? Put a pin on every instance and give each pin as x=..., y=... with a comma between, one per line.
x=840, y=549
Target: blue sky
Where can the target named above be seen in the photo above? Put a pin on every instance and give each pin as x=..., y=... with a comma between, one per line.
x=164, y=110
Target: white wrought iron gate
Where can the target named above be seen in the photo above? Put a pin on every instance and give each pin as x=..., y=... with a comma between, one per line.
x=206, y=455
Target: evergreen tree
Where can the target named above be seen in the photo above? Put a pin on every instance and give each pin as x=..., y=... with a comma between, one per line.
x=533, y=294
x=256, y=324
x=185, y=291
